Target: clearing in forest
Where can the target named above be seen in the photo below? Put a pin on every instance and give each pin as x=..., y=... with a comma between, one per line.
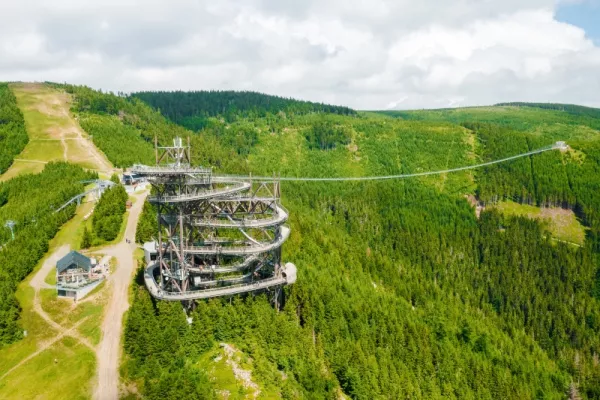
x=54, y=134
x=562, y=223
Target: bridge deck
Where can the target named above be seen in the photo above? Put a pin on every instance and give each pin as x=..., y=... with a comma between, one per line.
x=207, y=194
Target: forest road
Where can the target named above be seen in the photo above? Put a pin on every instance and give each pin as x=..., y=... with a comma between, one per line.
x=109, y=350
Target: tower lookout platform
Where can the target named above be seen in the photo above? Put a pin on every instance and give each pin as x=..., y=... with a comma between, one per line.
x=216, y=236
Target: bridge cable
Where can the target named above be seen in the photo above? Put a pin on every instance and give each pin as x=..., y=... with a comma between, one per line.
x=399, y=176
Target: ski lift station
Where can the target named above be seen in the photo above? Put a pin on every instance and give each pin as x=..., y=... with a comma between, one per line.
x=76, y=276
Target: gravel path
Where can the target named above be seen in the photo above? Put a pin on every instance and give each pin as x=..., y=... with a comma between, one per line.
x=109, y=349
x=38, y=282
x=39, y=279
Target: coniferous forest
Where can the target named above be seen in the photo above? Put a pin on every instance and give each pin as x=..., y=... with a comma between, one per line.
x=192, y=109
x=30, y=201
x=13, y=135
x=403, y=290
x=108, y=214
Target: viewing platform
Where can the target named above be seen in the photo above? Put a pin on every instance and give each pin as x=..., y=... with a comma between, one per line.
x=288, y=277
x=218, y=235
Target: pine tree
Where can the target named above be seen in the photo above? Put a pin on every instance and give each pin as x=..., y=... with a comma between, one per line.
x=86, y=240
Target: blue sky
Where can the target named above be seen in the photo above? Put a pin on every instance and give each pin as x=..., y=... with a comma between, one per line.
x=584, y=14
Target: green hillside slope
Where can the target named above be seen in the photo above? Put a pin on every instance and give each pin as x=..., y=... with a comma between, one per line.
x=192, y=109
x=567, y=108
x=13, y=136
x=402, y=291
x=29, y=201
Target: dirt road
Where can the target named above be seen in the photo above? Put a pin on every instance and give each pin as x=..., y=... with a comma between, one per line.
x=38, y=282
x=109, y=349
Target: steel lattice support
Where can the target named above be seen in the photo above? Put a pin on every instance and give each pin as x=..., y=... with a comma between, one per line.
x=217, y=236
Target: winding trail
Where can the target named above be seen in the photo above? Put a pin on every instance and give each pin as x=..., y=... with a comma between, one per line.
x=37, y=283
x=65, y=332
x=48, y=119
x=109, y=349
x=39, y=279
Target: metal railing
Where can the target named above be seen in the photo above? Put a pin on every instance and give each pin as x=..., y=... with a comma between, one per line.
x=210, y=292
x=252, y=249
x=208, y=194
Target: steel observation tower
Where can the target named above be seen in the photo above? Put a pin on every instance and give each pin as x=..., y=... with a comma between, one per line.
x=217, y=236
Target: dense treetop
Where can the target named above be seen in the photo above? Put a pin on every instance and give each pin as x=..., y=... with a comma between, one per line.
x=401, y=289
x=191, y=109
x=13, y=135
x=108, y=214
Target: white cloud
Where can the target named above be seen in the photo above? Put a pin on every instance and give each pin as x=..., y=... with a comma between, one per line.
x=366, y=54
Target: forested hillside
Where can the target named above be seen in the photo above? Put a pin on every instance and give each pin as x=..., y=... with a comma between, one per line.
x=108, y=214
x=30, y=201
x=552, y=122
x=192, y=109
x=13, y=136
x=125, y=128
x=568, y=108
x=571, y=181
x=402, y=291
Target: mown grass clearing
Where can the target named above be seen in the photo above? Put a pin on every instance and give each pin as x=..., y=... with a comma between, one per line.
x=53, y=132
x=43, y=150
x=67, y=313
x=71, y=377
x=561, y=223
x=37, y=331
x=20, y=167
x=60, y=372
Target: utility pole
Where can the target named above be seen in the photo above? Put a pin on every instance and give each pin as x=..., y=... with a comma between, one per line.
x=10, y=224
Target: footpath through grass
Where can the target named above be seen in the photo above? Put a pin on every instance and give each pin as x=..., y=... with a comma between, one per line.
x=54, y=135
x=65, y=369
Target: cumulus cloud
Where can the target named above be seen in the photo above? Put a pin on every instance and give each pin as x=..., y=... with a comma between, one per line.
x=368, y=54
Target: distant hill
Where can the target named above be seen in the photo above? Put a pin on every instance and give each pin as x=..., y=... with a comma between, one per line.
x=569, y=108
x=191, y=109
x=518, y=116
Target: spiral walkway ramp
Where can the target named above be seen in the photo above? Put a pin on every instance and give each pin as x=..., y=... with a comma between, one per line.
x=218, y=236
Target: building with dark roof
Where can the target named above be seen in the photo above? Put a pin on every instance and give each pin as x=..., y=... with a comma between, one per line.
x=74, y=276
